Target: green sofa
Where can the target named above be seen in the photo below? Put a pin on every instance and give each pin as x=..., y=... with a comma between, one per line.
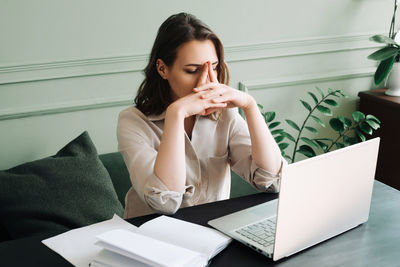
x=73, y=188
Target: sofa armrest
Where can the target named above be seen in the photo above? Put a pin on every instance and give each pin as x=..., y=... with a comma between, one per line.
x=119, y=174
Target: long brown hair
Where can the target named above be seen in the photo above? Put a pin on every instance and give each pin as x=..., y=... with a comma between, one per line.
x=154, y=94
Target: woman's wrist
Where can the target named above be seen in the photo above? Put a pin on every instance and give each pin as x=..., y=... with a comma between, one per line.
x=251, y=104
x=174, y=110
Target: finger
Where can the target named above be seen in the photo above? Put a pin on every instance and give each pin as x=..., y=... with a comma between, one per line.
x=210, y=110
x=228, y=104
x=221, y=99
x=214, y=105
x=211, y=73
x=203, y=77
x=212, y=94
x=205, y=87
x=214, y=108
x=217, y=90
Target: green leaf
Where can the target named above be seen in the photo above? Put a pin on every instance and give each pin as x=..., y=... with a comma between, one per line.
x=383, y=70
x=306, y=105
x=323, y=139
x=306, y=151
x=337, y=125
x=311, y=129
x=358, y=116
x=322, y=145
x=319, y=91
x=293, y=125
x=348, y=141
x=279, y=138
x=288, y=136
x=318, y=120
x=373, y=124
x=346, y=121
x=309, y=142
x=331, y=102
x=365, y=128
x=384, y=53
x=269, y=116
x=277, y=131
x=274, y=124
x=313, y=97
x=324, y=110
x=342, y=93
x=260, y=106
x=339, y=145
x=379, y=38
x=283, y=146
x=372, y=117
x=336, y=93
x=361, y=135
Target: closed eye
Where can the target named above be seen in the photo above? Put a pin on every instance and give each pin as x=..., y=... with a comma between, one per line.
x=197, y=70
x=192, y=71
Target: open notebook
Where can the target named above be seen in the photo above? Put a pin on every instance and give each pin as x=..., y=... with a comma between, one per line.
x=163, y=241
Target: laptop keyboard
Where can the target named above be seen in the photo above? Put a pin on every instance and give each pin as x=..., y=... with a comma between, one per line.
x=262, y=232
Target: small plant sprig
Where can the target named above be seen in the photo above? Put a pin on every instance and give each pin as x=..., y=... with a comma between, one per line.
x=362, y=125
x=320, y=105
x=349, y=132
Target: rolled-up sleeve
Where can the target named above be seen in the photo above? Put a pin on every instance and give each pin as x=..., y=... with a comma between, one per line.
x=139, y=156
x=241, y=159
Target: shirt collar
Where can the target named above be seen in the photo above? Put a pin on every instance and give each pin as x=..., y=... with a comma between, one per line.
x=158, y=117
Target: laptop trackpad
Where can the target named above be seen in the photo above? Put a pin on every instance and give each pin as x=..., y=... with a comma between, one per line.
x=265, y=210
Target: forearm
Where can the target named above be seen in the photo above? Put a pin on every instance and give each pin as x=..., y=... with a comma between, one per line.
x=170, y=166
x=265, y=152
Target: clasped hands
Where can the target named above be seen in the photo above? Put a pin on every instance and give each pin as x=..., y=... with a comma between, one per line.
x=209, y=95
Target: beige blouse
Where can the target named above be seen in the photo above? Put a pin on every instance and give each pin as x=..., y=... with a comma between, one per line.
x=215, y=147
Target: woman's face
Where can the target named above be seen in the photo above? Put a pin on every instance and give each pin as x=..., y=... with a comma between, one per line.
x=185, y=72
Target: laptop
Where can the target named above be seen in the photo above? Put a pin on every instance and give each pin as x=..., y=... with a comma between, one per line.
x=319, y=198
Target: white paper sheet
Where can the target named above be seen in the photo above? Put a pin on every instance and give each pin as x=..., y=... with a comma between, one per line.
x=196, y=237
x=148, y=250
x=78, y=246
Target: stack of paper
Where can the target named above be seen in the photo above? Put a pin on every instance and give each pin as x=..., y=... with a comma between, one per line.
x=163, y=241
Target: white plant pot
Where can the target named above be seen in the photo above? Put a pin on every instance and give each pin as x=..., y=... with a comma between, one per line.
x=393, y=81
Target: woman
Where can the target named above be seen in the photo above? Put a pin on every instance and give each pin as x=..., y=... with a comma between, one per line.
x=182, y=137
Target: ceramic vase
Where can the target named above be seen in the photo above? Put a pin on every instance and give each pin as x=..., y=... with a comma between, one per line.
x=393, y=81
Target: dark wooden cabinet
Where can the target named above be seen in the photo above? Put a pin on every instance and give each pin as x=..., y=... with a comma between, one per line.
x=387, y=110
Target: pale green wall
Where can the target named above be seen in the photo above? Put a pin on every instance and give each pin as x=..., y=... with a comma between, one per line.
x=69, y=66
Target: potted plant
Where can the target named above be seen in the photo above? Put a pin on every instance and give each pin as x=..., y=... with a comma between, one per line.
x=389, y=57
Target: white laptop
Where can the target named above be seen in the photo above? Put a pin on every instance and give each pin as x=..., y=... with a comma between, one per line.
x=319, y=198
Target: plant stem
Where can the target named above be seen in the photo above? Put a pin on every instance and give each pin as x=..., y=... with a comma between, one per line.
x=334, y=142
x=341, y=135
x=298, y=136
x=304, y=124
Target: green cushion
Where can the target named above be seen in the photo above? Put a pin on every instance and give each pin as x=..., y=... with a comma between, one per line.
x=54, y=194
x=240, y=187
x=116, y=167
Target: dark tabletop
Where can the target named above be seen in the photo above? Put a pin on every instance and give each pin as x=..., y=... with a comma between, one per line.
x=375, y=243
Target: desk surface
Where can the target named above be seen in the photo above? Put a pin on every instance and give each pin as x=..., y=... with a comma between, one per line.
x=375, y=243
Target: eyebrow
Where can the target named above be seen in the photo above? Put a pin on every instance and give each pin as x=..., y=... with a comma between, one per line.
x=199, y=65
